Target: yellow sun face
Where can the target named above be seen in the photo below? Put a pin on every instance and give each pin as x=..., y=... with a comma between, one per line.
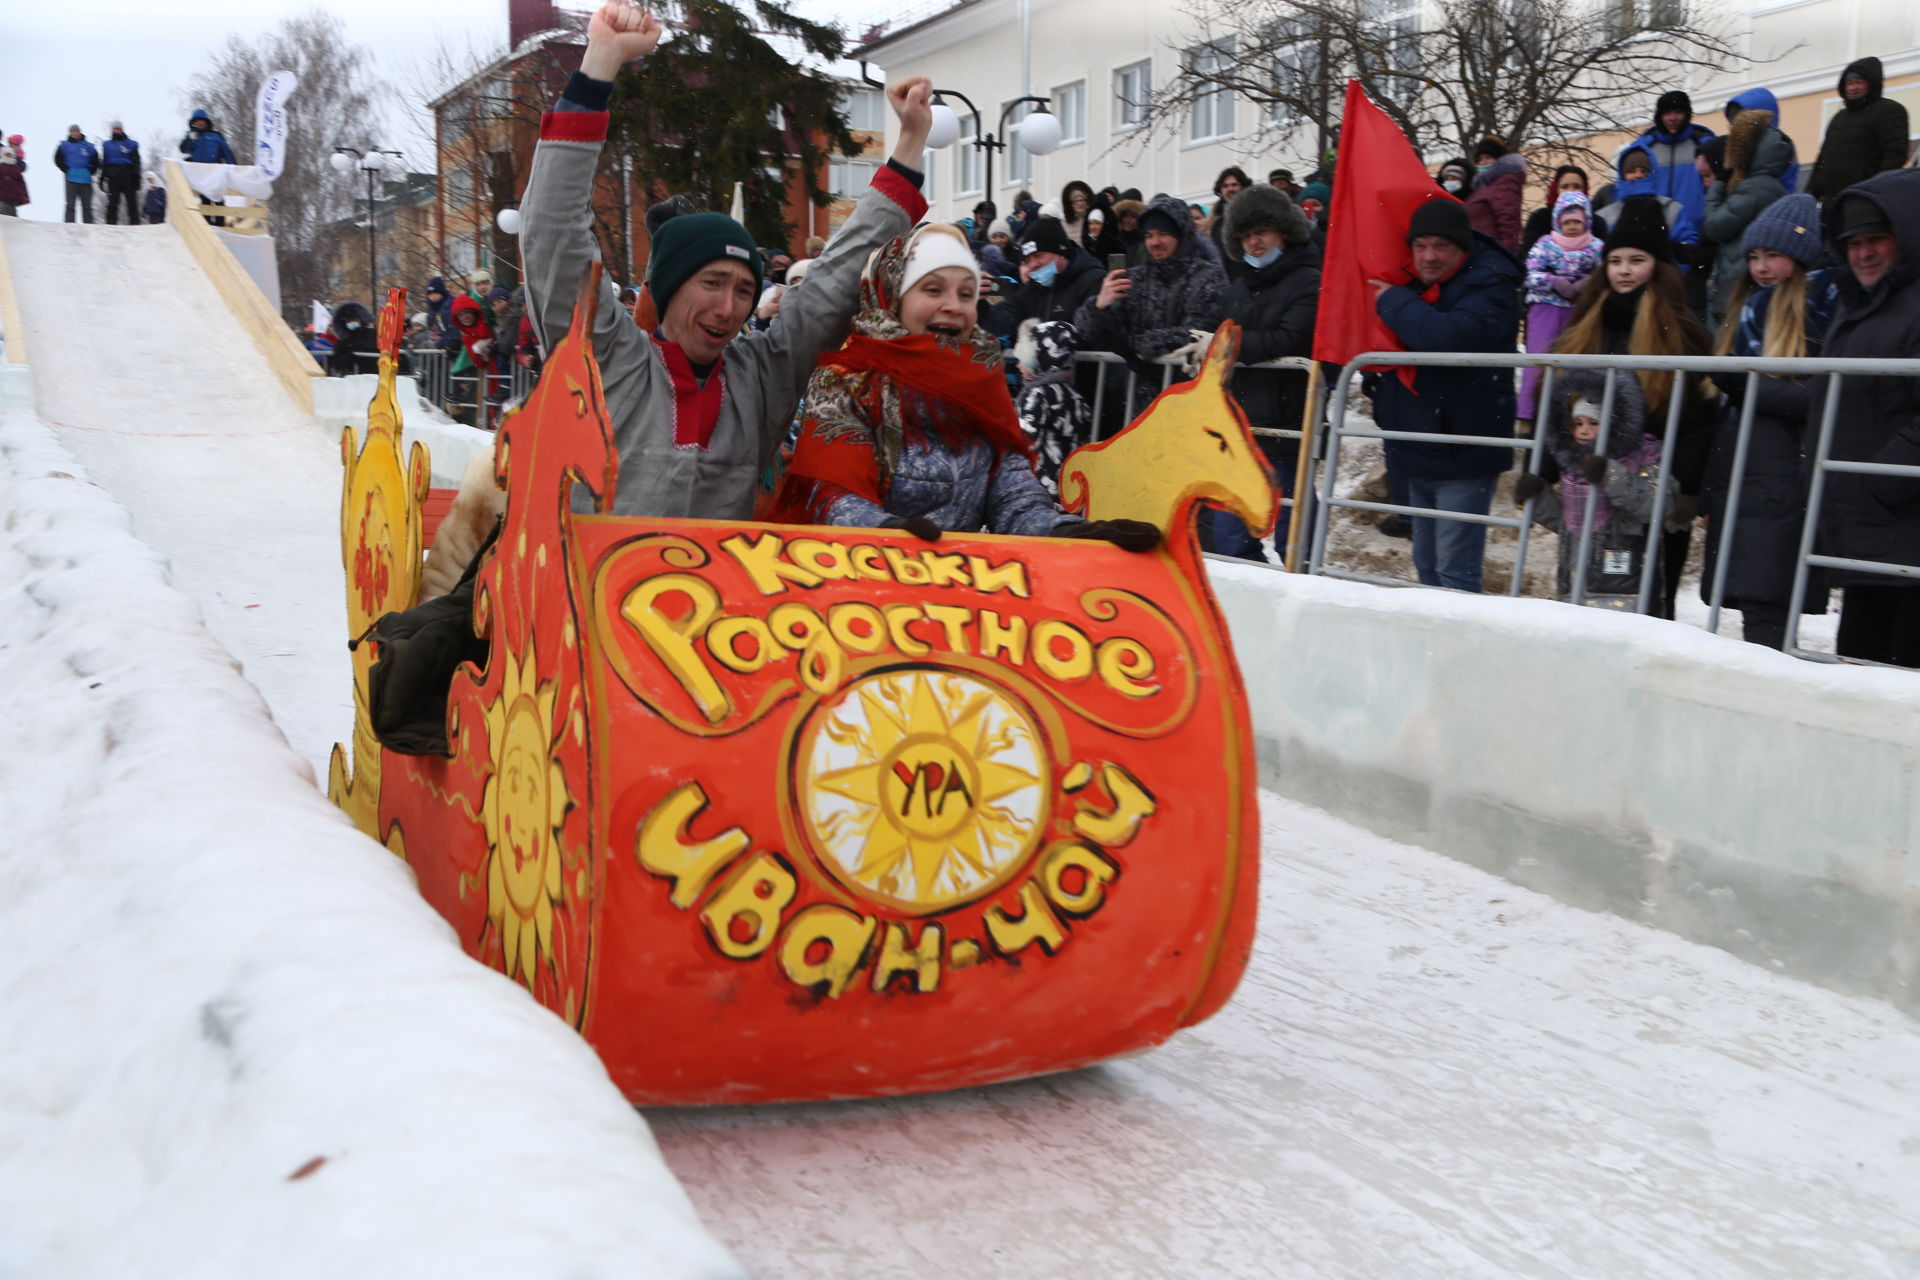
x=523, y=808
x=922, y=789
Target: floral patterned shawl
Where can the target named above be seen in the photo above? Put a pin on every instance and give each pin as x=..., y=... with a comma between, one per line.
x=885, y=389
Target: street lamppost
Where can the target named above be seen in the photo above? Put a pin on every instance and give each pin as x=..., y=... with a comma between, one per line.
x=1039, y=132
x=371, y=161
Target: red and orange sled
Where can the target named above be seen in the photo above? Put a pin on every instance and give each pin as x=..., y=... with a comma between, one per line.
x=776, y=813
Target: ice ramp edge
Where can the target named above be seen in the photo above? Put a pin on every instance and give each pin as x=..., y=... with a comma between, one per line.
x=1718, y=790
x=289, y=361
x=15, y=332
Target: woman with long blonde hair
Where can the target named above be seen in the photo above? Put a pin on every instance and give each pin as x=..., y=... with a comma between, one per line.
x=1636, y=305
x=1780, y=307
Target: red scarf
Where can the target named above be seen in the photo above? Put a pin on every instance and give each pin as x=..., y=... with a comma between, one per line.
x=1431, y=296
x=972, y=392
x=696, y=408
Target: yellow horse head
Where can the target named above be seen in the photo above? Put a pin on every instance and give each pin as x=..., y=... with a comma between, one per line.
x=1193, y=444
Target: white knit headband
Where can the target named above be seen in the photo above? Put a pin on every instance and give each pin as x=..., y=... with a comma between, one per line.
x=932, y=250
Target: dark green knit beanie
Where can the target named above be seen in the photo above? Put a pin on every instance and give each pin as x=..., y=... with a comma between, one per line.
x=689, y=242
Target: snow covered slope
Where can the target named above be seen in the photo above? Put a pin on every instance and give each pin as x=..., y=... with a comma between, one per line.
x=238, y=1043
x=1427, y=1074
x=163, y=398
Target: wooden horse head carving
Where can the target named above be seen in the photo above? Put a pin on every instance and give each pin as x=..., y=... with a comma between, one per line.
x=1193, y=444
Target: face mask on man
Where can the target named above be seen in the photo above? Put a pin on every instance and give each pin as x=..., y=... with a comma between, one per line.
x=1453, y=186
x=1266, y=259
x=352, y=325
x=1043, y=276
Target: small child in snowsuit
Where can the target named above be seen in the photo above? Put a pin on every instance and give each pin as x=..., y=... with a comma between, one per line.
x=1626, y=475
x=1057, y=418
x=1557, y=265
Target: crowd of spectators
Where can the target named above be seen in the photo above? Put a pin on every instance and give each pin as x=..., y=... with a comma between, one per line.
x=1695, y=243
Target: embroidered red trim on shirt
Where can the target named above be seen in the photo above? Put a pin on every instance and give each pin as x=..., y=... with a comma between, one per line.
x=696, y=408
x=573, y=126
x=890, y=184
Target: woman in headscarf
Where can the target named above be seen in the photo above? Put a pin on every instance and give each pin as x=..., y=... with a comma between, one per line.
x=909, y=425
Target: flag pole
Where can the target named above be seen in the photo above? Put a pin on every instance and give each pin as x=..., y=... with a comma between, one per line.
x=1303, y=467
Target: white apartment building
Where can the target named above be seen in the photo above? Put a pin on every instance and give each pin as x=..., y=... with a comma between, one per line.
x=1097, y=59
x=1801, y=46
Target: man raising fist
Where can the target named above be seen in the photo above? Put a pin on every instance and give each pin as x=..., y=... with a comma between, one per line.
x=698, y=407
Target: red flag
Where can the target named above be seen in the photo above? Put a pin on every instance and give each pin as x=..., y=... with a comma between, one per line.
x=1378, y=182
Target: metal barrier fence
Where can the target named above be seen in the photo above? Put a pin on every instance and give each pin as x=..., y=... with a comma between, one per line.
x=482, y=397
x=1836, y=369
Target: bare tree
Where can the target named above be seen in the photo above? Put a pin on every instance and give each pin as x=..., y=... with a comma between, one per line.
x=312, y=205
x=1451, y=71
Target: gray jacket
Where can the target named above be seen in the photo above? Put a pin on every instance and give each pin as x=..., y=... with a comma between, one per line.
x=766, y=372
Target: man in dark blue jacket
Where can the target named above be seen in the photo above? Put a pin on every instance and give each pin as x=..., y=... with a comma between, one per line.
x=120, y=173
x=78, y=161
x=204, y=144
x=1671, y=146
x=1462, y=295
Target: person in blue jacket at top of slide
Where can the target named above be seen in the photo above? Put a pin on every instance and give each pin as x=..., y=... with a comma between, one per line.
x=1763, y=100
x=1670, y=146
x=203, y=143
x=77, y=159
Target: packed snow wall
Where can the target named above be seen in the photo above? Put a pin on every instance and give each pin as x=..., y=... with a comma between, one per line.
x=1731, y=794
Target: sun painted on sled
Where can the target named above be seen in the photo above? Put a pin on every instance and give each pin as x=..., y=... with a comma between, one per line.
x=922, y=789
x=524, y=810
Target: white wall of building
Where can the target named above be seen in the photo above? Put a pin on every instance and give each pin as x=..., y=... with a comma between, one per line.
x=976, y=49
x=1797, y=47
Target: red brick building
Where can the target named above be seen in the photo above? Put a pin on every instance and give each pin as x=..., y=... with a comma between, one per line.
x=486, y=125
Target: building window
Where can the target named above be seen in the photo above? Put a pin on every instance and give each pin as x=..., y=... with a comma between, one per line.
x=1212, y=115
x=1299, y=69
x=846, y=179
x=1070, y=104
x=453, y=122
x=1401, y=20
x=1019, y=159
x=966, y=162
x=865, y=109
x=1132, y=95
x=459, y=189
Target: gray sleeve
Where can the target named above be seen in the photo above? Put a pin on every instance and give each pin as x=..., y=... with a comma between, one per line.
x=1017, y=503
x=1630, y=491
x=557, y=247
x=816, y=317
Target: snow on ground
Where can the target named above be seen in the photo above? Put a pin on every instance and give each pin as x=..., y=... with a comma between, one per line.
x=239, y=1044
x=162, y=396
x=1427, y=1072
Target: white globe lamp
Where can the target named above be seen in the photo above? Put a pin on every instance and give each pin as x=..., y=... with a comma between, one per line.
x=1040, y=133
x=340, y=161
x=509, y=221
x=374, y=161
x=945, y=128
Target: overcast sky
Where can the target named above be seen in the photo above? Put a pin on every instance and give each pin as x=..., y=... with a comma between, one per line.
x=121, y=60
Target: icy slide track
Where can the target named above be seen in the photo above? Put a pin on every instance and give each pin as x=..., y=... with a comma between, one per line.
x=210, y=981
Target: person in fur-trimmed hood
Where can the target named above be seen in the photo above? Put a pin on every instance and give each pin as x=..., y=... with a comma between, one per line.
x=1755, y=164
x=909, y=424
x=1493, y=203
x=1056, y=417
x=1625, y=475
x=1274, y=302
x=1150, y=311
x=1868, y=135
